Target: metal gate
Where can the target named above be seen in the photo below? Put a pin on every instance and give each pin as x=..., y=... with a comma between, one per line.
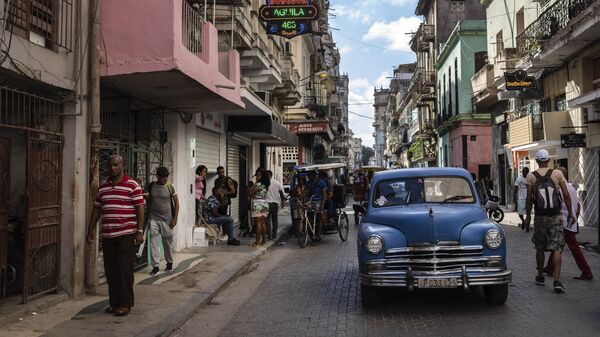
x=42, y=232
x=4, y=190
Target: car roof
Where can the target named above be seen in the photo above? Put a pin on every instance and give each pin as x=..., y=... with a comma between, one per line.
x=421, y=172
x=319, y=167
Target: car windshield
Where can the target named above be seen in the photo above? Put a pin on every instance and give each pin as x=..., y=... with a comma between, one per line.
x=406, y=191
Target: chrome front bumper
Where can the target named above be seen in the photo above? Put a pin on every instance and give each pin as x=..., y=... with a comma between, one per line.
x=466, y=277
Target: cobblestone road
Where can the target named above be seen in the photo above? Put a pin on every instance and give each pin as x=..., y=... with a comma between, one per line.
x=315, y=292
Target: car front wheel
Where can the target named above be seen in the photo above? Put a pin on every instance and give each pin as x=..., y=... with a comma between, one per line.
x=496, y=294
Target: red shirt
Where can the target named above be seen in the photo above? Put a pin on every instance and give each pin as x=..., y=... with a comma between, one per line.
x=118, y=206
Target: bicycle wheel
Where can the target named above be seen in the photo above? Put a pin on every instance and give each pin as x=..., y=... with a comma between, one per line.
x=303, y=234
x=343, y=226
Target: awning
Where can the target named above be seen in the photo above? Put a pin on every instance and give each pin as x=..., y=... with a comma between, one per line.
x=254, y=105
x=536, y=146
x=591, y=97
x=262, y=129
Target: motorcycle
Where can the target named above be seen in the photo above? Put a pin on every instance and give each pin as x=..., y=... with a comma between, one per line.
x=493, y=210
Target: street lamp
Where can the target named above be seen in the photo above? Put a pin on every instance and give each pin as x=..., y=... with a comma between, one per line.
x=323, y=74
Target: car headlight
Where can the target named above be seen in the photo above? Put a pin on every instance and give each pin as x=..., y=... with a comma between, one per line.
x=493, y=238
x=374, y=244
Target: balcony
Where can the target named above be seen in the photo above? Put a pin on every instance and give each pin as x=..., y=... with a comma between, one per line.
x=164, y=52
x=560, y=31
x=287, y=94
x=420, y=42
x=484, y=87
x=529, y=125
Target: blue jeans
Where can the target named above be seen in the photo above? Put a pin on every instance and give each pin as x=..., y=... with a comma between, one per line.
x=272, y=221
x=226, y=223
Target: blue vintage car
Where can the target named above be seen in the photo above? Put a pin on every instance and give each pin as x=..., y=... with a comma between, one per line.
x=426, y=228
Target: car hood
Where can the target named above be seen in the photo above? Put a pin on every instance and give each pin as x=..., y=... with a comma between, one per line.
x=427, y=223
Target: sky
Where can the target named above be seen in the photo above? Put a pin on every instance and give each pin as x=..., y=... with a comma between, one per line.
x=372, y=36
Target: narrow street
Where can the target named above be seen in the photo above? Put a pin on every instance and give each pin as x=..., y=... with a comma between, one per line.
x=315, y=292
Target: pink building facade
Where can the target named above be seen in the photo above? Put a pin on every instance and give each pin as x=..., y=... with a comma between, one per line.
x=471, y=145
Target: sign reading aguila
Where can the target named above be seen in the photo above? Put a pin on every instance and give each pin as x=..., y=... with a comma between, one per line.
x=519, y=80
x=288, y=18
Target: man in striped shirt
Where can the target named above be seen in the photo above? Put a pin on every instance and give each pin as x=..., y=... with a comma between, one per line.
x=120, y=203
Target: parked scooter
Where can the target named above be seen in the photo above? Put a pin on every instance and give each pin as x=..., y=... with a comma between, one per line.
x=492, y=207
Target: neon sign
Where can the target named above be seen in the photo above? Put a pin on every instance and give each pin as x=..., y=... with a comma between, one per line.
x=288, y=18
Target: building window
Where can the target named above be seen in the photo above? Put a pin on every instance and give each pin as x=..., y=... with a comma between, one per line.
x=473, y=138
x=444, y=97
x=499, y=43
x=560, y=102
x=457, y=6
x=449, y=91
x=596, y=79
x=456, y=86
x=48, y=23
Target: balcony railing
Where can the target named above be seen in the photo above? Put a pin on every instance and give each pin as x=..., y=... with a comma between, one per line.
x=550, y=22
x=193, y=20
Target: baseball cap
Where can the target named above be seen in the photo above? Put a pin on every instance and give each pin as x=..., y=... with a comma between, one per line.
x=542, y=155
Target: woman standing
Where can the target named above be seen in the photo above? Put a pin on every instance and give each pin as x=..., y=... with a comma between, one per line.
x=260, y=207
x=200, y=188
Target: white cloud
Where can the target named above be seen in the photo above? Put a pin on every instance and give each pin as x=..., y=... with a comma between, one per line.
x=345, y=49
x=354, y=14
x=394, y=32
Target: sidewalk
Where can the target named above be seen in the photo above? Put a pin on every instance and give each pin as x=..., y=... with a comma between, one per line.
x=162, y=302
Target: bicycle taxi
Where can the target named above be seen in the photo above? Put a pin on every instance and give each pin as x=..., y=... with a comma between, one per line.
x=315, y=214
x=360, y=192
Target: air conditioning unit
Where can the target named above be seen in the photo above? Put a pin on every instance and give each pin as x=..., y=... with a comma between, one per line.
x=265, y=96
x=592, y=113
x=287, y=48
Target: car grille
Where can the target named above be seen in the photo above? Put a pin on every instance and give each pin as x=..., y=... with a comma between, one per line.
x=434, y=258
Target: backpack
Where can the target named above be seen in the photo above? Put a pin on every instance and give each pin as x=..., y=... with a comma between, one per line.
x=235, y=185
x=546, y=196
x=171, y=189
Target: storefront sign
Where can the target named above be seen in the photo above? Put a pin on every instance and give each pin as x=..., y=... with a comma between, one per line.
x=572, y=140
x=308, y=128
x=288, y=18
x=519, y=80
x=211, y=121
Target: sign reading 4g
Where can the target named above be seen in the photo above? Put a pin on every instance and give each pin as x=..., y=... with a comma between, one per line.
x=288, y=18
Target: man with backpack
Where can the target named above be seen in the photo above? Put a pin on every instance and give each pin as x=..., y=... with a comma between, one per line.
x=163, y=209
x=544, y=196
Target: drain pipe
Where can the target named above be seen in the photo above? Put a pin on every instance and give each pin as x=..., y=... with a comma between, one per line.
x=95, y=127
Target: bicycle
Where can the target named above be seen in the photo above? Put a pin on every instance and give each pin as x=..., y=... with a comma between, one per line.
x=309, y=226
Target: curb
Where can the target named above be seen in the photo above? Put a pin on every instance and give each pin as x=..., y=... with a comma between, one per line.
x=38, y=305
x=177, y=318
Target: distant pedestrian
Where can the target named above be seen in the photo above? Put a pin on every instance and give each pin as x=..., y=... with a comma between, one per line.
x=543, y=195
x=228, y=186
x=300, y=197
x=257, y=191
x=120, y=203
x=570, y=231
x=275, y=190
x=520, y=196
x=212, y=215
x=200, y=189
x=163, y=210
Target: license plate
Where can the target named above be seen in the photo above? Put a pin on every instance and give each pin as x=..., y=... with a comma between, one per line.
x=437, y=282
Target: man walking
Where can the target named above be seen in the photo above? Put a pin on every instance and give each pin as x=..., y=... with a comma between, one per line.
x=120, y=203
x=570, y=232
x=275, y=190
x=212, y=215
x=520, y=196
x=163, y=210
x=543, y=187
